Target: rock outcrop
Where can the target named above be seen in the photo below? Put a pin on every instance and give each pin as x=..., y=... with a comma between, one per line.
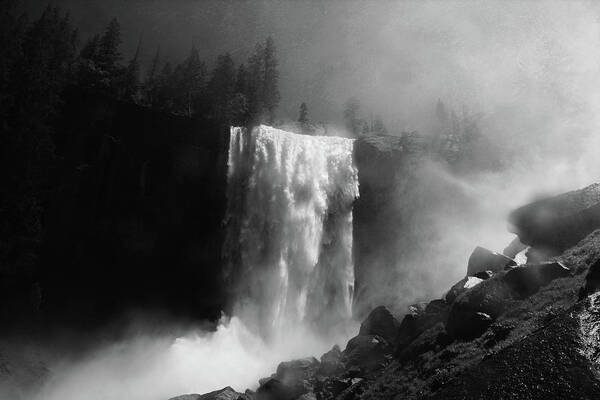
x=557, y=223
x=527, y=331
x=224, y=394
x=482, y=260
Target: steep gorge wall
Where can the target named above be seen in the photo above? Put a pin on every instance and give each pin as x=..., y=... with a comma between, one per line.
x=136, y=218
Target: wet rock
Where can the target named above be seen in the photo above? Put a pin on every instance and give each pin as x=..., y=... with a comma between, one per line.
x=557, y=223
x=332, y=387
x=528, y=279
x=414, y=325
x=592, y=281
x=474, y=310
x=483, y=275
x=274, y=389
x=224, y=394
x=514, y=248
x=367, y=352
x=295, y=375
x=380, y=322
x=485, y=260
x=460, y=287
x=436, y=306
x=432, y=339
x=331, y=362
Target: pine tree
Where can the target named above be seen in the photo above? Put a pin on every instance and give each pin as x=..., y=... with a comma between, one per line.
x=241, y=80
x=221, y=88
x=303, y=119
x=150, y=83
x=303, y=114
x=271, y=94
x=187, y=82
x=352, y=118
x=378, y=127
x=153, y=71
x=131, y=77
x=108, y=49
x=254, y=85
x=90, y=49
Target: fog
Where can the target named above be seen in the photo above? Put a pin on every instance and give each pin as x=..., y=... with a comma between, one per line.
x=532, y=69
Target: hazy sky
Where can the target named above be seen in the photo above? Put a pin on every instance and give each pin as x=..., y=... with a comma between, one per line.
x=531, y=68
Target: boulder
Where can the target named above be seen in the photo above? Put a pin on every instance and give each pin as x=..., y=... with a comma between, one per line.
x=474, y=310
x=592, y=281
x=557, y=223
x=331, y=362
x=367, y=352
x=483, y=275
x=432, y=339
x=460, y=287
x=295, y=375
x=224, y=394
x=274, y=389
x=485, y=260
x=414, y=324
x=528, y=279
x=380, y=322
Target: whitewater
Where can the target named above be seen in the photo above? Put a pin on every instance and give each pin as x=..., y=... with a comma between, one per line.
x=288, y=272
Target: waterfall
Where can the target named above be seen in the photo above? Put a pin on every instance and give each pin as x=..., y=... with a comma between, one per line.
x=288, y=242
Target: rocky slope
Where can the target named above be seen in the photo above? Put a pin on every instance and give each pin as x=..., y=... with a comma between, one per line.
x=527, y=331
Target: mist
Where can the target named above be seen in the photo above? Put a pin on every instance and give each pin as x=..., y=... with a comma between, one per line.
x=530, y=69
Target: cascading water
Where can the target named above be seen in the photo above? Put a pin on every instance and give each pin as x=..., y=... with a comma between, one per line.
x=289, y=229
x=290, y=270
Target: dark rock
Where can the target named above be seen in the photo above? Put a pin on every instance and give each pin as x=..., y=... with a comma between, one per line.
x=528, y=279
x=436, y=306
x=380, y=322
x=460, y=287
x=557, y=223
x=483, y=275
x=332, y=387
x=331, y=362
x=224, y=394
x=592, y=281
x=514, y=248
x=473, y=311
x=149, y=177
x=485, y=260
x=497, y=333
x=559, y=361
x=274, y=389
x=417, y=308
x=414, y=325
x=398, y=190
x=367, y=352
x=432, y=339
x=296, y=374
x=536, y=256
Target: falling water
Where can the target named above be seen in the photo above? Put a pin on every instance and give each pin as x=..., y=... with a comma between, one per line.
x=290, y=271
x=289, y=229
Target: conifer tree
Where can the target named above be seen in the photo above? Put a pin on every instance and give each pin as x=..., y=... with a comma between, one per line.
x=131, y=77
x=271, y=94
x=221, y=87
x=352, y=119
x=254, y=84
x=108, y=48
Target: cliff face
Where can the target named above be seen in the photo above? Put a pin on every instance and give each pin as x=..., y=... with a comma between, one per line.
x=404, y=197
x=136, y=216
